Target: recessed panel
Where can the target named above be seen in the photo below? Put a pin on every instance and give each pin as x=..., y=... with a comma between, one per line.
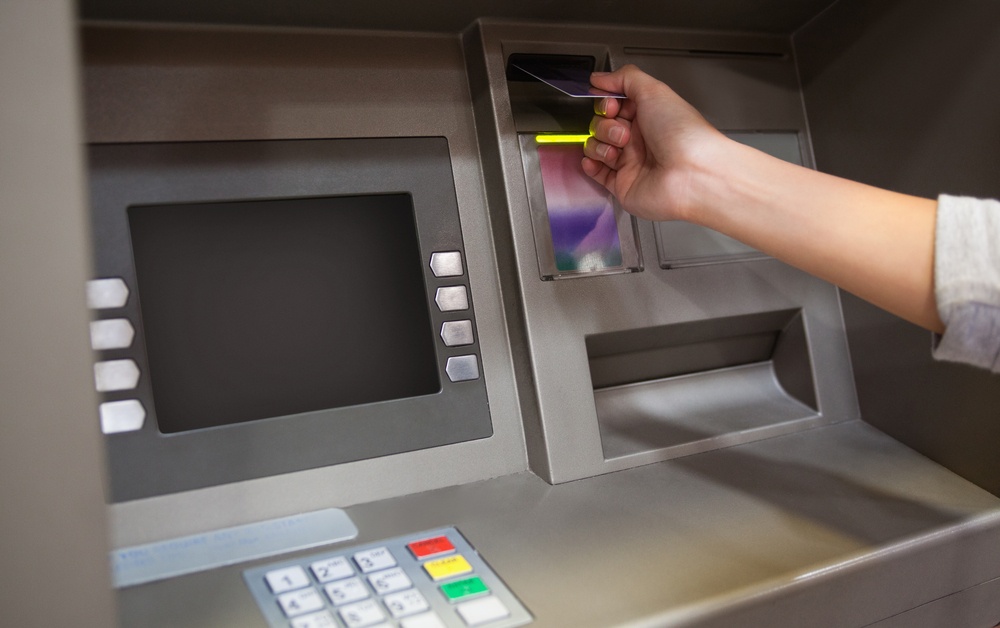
x=282, y=295
x=579, y=228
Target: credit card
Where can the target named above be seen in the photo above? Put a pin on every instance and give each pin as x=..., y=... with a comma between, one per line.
x=571, y=81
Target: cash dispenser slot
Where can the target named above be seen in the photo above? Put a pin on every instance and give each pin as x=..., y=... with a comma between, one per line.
x=704, y=382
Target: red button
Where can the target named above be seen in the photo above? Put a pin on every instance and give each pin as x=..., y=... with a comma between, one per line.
x=431, y=547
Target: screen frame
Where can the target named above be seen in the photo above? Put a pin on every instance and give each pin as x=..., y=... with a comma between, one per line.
x=146, y=463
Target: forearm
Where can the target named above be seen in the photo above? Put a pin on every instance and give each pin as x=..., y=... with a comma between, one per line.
x=874, y=243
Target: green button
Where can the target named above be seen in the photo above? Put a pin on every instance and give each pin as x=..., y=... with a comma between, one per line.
x=461, y=589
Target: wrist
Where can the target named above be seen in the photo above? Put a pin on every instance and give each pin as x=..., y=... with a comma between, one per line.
x=703, y=181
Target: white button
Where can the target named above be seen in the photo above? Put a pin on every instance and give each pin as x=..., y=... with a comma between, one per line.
x=288, y=579
x=462, y=368
x=116, y=375
x=452, y=298
x=331, y=569
x=317, y=620
x=301, y=602
x=114, y=333
x=346, y=591
x=362, y=614
x=374, y=559
x=106, y=293
x=389, y=581
x=447, y=264
x=405, y=603
x=122, y=416
x=429, y=620
x=482, y=611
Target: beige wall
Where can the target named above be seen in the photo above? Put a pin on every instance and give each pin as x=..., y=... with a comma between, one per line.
x=904, y=94
x=52, y=531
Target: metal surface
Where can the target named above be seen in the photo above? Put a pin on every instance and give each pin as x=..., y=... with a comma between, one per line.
x=447, y=264
x=681, y=243
x=126, y=415
x=52, y=531
x=452, y=298
x=113, y=375
x=164, y=178
x=457, y=333
x=114, y=333
x=402, y=560
x=175, y=84
x=688, y=413
x=775, y=16
x=131, y=566
x=105, y=294
x=773, y=533
x=739, y=92
x=462, y=368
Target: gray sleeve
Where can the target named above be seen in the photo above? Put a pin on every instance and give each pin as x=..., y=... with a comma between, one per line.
x=967, y=280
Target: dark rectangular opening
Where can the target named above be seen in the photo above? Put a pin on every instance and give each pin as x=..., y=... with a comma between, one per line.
x=269, y=308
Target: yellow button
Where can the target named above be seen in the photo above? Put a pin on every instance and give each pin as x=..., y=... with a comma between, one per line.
x=447, y=567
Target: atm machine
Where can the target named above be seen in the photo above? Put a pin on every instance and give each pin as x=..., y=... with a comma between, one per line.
x=370, y=350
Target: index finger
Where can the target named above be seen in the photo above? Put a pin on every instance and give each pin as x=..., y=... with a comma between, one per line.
x=607, y=107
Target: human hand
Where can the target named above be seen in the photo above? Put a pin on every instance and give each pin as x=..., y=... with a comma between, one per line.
x=649, y=149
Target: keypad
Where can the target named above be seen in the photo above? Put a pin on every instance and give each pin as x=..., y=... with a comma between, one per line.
x=432, y=579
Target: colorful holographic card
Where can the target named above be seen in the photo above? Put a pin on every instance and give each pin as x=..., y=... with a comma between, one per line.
x=581, y=212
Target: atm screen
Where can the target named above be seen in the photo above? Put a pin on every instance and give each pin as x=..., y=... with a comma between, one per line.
x=272, y=308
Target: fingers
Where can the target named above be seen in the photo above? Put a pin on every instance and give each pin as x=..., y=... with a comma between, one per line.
x=607, y=107
x=599, y=172
x=612, y=81
x=600, y=152
x=628, y=80
x=607, y=139
x=615, y=132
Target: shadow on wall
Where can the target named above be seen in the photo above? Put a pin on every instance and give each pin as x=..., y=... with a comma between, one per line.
x=903, y=94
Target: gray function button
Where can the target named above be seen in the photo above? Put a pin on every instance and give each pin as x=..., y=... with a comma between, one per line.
x=462, y=368
x=447, y=264
x=122, y=416
x=452, y=298
x=457, y=333
x=106, y=293
x=114, y=375
x=115, y=333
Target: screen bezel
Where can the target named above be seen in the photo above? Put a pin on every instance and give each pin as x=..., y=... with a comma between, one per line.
x=146, y=463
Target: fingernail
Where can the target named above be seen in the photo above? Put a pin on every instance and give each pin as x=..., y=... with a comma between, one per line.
x=599, y=73
x=602, y=150
x=617, y=134
x=601, y=107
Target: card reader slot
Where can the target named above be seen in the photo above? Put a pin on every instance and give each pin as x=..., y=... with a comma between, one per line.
x=700, y=385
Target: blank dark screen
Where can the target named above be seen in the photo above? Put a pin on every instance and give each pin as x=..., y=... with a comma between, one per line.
x=262, y=309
